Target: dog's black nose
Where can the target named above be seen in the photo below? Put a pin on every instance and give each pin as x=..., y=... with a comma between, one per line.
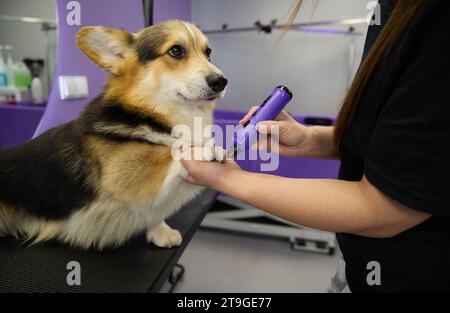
x=217, y=83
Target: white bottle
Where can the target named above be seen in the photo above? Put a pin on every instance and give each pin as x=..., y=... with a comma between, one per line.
x=37, y=92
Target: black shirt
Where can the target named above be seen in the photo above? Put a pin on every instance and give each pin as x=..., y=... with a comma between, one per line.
x=400, y=140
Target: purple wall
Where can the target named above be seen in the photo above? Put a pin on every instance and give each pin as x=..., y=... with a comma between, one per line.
x=127, y=14
x=169, y=9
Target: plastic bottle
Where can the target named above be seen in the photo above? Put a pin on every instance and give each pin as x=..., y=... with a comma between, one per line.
x=3, y=71
x=21, y=75
x=37, y=92
x=9, y=65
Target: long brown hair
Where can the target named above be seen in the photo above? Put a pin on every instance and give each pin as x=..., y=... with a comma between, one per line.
x=403, y=11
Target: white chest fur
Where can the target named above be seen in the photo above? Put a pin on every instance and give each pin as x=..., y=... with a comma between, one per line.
x=174, y=192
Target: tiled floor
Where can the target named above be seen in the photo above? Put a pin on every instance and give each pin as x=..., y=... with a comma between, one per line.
x=224, y=262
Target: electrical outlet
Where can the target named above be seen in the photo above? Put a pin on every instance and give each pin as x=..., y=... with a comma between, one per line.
x=73, y=87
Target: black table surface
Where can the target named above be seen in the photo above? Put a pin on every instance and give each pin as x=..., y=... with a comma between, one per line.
x=135, y=267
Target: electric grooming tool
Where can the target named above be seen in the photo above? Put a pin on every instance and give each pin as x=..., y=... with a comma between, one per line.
x=267, y=111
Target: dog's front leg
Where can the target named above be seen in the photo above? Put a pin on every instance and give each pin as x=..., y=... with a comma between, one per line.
x=209, y=153
x=164, y=236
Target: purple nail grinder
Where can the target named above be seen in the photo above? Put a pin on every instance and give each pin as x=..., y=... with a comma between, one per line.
x=267, y=111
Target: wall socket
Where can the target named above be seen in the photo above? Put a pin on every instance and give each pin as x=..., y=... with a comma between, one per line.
x=73, y=87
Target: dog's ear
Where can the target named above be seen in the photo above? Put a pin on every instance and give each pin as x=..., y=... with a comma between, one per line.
x=107, y=47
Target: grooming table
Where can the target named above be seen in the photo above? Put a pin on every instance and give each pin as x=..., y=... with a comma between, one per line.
x=135, y=267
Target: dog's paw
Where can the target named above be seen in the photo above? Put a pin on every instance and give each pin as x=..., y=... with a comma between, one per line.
x=208, y=153
x=220, y=154
x=163, y=236
x=214, y=153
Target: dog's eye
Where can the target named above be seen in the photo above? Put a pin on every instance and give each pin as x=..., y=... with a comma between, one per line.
x=176, y=52
x=208, y=53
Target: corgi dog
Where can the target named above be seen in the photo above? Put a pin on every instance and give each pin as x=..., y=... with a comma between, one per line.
x=98, y=180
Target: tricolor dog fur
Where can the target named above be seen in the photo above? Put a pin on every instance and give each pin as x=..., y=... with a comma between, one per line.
x=98, y=180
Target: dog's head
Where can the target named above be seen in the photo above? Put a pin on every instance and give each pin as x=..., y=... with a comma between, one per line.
x=167, y=62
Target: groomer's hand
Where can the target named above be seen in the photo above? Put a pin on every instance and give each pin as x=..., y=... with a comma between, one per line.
x=294, y=138
x=207, y=173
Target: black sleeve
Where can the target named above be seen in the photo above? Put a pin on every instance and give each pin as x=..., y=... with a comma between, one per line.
x=408, y=157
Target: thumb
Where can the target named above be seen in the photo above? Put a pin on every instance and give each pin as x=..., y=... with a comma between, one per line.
x=266, y=127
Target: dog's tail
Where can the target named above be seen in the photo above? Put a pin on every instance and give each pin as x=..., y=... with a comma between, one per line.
x=30, y=230
x=7, y=225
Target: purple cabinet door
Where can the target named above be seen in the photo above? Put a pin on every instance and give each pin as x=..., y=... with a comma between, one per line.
x=18, y=123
